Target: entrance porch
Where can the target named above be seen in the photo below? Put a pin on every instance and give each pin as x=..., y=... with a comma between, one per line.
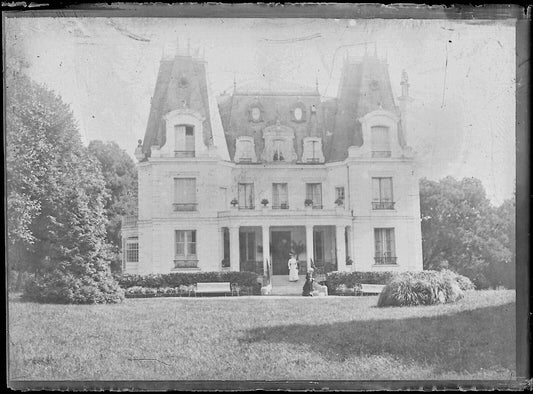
x=266, y=250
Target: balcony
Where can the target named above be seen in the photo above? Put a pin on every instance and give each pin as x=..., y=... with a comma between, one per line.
x=280, y=206
x=385, y=260
x=379, y=154
x=184, y=153
x=181, y=207
x=377, y=205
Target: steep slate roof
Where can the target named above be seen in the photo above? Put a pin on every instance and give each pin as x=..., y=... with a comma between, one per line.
x=364, y=87
x=170, y=93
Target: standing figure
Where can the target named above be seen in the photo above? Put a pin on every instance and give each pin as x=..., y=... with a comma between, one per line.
x=293, y=269
x=308, y=285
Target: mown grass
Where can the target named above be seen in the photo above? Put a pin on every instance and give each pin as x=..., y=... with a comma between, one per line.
x=264, y=338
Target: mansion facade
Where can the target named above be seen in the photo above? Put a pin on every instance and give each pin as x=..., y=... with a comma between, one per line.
x=238, y=182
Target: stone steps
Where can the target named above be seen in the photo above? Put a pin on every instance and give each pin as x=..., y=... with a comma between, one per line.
x=282, y=286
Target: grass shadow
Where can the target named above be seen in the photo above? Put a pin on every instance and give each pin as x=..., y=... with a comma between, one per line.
x=466, y=341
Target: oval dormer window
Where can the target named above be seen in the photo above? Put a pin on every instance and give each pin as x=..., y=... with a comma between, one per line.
x=298, y=114
x=256, y=114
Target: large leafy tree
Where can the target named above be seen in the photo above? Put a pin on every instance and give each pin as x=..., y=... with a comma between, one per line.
x=462, y=231
x=55, y=200
x=120, y=177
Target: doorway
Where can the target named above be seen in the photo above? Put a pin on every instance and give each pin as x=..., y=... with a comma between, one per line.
x=281, y=248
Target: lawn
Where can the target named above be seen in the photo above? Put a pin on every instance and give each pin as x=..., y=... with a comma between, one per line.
x=264, y=338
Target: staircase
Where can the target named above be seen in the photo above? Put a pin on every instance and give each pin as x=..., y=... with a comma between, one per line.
x=282, y=286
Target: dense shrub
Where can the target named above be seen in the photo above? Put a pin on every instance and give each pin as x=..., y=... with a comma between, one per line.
x=338, y=281
x=247, y=281
x=464, y=282
x=420, y=288
x=65, y=288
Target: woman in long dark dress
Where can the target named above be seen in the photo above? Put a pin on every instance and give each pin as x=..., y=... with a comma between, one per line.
x=308, y=285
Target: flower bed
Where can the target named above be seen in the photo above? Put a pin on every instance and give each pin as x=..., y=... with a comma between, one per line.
x=181, y=284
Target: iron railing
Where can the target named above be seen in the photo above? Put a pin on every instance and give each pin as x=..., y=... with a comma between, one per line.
x=382, y=260
x=185, y=263
x=382, y=205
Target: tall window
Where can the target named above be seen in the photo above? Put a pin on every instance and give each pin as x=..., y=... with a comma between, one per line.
x=315, y=156
x=280, y=196
x=246, y=195
x=385, y=249
x=278, y=150
x=185, y=256
x=247, y=246
x=339, y=195
x=247, y=151
x=184, y=141
x=185, y=194
x=380, y=141
x=314, y=193
x=318, y=242
x=382, y=193
x=132, y=250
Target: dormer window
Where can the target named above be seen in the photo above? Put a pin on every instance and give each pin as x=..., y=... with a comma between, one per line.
x=184, y=144
x=381, y=146
x=278, y=151
x=312, y=150
x=245, y=150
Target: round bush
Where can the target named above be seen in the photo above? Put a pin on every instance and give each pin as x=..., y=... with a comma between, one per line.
x=420, y=288
x=64, y=288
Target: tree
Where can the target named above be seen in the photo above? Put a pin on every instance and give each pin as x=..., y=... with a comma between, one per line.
x=120, y=177
x=55, y=200
x=463, y=232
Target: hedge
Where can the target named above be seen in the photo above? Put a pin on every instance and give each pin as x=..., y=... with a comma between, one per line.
x=421, y=288
x=176, y=279
x=337, y=281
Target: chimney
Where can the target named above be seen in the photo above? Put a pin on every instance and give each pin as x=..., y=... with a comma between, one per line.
x=404, y=100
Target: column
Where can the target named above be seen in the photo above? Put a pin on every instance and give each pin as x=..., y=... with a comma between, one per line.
x=266, y=248
x=350, y=251
x=309, y=245
x=234, y=248
x=341, y=248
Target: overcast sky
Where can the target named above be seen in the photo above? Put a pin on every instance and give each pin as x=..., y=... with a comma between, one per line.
x=462, y=75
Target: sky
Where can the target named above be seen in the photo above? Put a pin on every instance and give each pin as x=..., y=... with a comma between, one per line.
x=461, y=75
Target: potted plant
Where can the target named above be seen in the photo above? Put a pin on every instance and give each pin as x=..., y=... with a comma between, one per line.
x=308, y=203
x=234, y=203
x=339, y=201
x=264, y=201
x=284, y=205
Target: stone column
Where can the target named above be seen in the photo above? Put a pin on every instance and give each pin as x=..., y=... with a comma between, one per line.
x=266, y=247
x=234, y=248
x=341, y=248
x=309, y=244
x=350, y=251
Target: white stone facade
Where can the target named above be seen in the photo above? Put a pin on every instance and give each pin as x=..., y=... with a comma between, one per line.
x=209, y=232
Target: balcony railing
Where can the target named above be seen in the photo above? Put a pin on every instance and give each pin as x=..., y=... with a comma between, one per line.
x=280, y=206
x=381, y=153
x=246, y=206
x=184, y=153
x=382, y=205
x=179, y=207
x=385, y=260
x=179, y=263
x=313, y=160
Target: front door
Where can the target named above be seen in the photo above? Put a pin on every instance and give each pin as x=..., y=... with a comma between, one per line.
x=281, y=248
